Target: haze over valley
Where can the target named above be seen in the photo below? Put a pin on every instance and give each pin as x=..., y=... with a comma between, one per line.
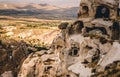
x=39, y=10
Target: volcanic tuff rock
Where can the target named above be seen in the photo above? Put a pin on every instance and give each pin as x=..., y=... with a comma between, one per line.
x=12, y=54
x=90, y=47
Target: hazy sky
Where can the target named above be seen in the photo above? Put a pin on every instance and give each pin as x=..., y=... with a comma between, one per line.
x=51, y=2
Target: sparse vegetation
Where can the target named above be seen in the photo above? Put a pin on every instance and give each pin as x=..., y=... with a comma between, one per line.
x=30, y=32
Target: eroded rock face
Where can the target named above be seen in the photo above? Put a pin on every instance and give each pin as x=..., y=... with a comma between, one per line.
x=12, y=54
x=98, y=8
x=82, y=49
x=72, y=55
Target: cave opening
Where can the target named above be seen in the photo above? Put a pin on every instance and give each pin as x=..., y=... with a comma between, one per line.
x=85, y=9
x=67, y=75
x=118, y=12
x=115, y=31
x=102, y=12
x=74, y=52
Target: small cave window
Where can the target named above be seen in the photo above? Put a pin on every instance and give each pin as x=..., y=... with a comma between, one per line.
x=118, y=12
x=89, y=47
x=102, y=12
x=67, y=75
x=102, y=29
x=103, y=40
x=74, y=51
x=86, y=9
x=1, y=42
x=115, y=31
x=77, y=26
x=47, y=68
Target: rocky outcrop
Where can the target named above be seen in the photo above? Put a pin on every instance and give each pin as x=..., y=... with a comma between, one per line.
x=74, y=55
x=98, y=9
x=86, y=48
x=12, y=55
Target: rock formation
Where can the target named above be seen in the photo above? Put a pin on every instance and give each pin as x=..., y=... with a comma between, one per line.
x=98, y=9
x=90, y=47
x=12, y=54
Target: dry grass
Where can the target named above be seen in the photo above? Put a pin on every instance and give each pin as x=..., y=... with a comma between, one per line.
x=31, y=30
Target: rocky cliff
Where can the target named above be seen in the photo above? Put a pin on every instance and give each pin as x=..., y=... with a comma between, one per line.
x=89, y=47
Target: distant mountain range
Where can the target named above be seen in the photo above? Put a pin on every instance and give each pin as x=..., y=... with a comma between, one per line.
x=42, y=11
